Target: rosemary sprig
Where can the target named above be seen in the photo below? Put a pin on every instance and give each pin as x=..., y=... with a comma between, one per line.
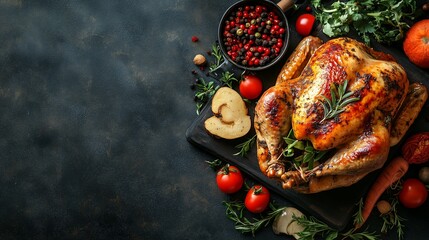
x=339, y=99
x=228, y=78
x=314, y=228
x=358, y=218
x=204, y=91
x=392, y=220
x=245, y=146
x=218, y=57
x=234, y=211
x=302, y=151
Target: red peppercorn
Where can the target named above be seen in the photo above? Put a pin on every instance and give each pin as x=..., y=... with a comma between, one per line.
x=195, y=39
x=267, y=52
x=256, y=62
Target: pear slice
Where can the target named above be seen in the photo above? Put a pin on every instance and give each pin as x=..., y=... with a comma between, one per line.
x=231, y=119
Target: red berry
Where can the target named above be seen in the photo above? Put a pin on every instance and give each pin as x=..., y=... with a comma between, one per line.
x=256, y=62
x=195, y=39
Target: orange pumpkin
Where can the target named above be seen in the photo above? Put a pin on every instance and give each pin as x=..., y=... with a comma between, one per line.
x=416, y=43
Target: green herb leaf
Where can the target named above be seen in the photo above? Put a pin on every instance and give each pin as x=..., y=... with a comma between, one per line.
x=234, y=211
x=204, y=91
x=358, y=218
x=215, y=164
x=228, y=78
x=218, y=57
x=315, y=229
x=383, y=20
x=392, y=220
x=245, y=146
x=302, y=151
x=339, y=99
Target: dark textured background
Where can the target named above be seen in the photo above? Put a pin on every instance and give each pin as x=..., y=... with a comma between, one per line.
x=94, y=105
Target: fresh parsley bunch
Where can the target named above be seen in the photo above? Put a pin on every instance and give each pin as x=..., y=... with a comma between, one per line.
x=384, y=20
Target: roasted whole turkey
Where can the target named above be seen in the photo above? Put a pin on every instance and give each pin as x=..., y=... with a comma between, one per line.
x=343, y=97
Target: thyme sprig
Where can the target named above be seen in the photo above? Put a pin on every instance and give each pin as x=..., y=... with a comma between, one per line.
x=234, y=211
x=228, y=78
x=245, y=146
x=339, y=99
x=218, y=57
x=204, y=91
x=314, y=228
x=302, y=151
x=392, y=220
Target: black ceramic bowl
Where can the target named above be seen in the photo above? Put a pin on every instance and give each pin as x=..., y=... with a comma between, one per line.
x=278, y=9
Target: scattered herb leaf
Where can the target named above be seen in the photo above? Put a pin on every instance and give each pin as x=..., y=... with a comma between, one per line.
x=218, y=57
x=228, y=78
x=314, y=229
x=358, y=218
x=234, y=211
x=204, y=91
x=392, y=220
x=245, y=146
x=215, y=164
x=383, y=20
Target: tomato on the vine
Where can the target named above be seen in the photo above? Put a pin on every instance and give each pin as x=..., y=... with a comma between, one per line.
x=257, y=199
x=250, y=87
x=229, y=179
x=413, y=193
x=304, y=24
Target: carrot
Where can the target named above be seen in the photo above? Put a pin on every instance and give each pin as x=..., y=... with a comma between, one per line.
x=390, y=174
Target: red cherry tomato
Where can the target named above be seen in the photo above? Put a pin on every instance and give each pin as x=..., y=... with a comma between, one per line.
x=257, y=199
x=413, y=193
x=229, y=179
x=304, y=24
x=250, y=87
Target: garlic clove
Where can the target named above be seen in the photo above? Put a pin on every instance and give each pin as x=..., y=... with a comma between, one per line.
x=284, y=222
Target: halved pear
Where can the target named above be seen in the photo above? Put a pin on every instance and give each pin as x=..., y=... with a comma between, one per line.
x=231, y=119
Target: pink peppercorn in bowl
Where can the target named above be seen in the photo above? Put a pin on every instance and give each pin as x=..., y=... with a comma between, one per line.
x=254, y=34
